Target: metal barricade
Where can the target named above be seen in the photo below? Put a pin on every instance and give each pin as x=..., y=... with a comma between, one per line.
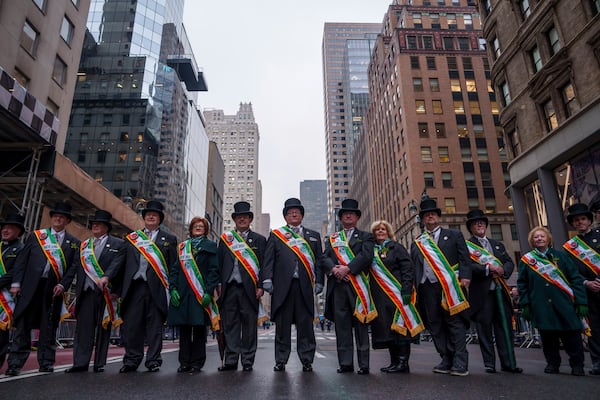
x=65, y=335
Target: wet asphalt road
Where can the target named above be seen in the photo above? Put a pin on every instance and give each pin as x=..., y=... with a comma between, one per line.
x=322, y=383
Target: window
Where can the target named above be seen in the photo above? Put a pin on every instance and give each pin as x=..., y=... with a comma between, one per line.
x=66, y=30
x=465, y=154
x=464, y=43
x=451, y=18
x=482, y=154
x=431, y=63
x=122, y=156
x=455, y=85
x=411, y=42
x=426, y=154
x=474, y=107
x=138, y=158
x=459, y=107
x=423, y=130
x=496, y=231
x=525, y=9
x=102, y=156
x=437, y=106
x=29, y=38
x=505, y=93
x=450, y=206
x=513, y=232
x=414, y=62
x=417, y=84
x=428, y=42
x=468, y=20
x=59, y=74
x=568, y=96
x=124, y=136
x=99, y=176
x=81, y=156
x=467, y=63
x=495, y=44
x=550, y=115
x=452, y=64
x=553, y=40
x=536, y=58
x=471, y=86
x=444, y=154
x=462, y=131
x=595, y=5
x=41, y=4
x=140, y=137
x=420, y=106
x=417, y=21
x=434, y=84
x=435, y=20
x=448, y=42
x=446, y=179
x=429, y=179
x=470, y=179
x=513, y=141
x=440, y=130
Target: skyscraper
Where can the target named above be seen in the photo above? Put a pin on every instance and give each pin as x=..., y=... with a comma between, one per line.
x=134, y=119
x=237, y=138
x=546, y=73
x=346, y=52
x=432, y=124
x=313, y=195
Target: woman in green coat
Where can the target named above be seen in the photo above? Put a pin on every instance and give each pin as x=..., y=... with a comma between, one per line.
x=553, y=298
x=191, y=282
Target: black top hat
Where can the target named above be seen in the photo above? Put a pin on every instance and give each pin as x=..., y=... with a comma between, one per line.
x=63, y=208
x=157, y=207
x=15, y=219
x=240, y=208
x=579, y=209
x=349, y=205
x=428, y=204
x=293, y=203
x=595, y=206
x=102, y=216
x=475, y=215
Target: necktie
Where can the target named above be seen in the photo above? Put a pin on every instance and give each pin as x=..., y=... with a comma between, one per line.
x=486, y=245
x=97, y=247
x=296, y=229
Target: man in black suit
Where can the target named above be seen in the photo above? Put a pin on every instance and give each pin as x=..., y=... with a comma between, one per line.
x=12, y=228
x=292, y=274
x=492, y=266
x=447, y=325
x=143, y=286
x=240, y=255
x=40, y=278
x=99, y=253
x=341, y=296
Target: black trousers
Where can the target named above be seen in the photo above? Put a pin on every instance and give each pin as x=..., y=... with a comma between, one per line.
x=594, y=318
x=572, y=343
x=344, y=298
x=43, y=313
x=492, y=327
x=142, y=319
x=4, y=341
x=192, y=346
x=293, y=311
x=449, y=332
x=89, y=333
x=240, y=320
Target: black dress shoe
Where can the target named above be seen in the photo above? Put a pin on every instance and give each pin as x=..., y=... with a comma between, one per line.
x=99, y=368
x=578, y=371
x=46, y=369
x=228, y=367
x=75, y=369
x=593, y=371
x=363, y=371
x=154, y=368
x=196, y=369
x=307, y=367
x=551, y=369
x=515, y=370
x=12, y=372
x=127, y=368
x=345, y=368
x=491, y=370
x=279, y=367
x=385, y=369
x=184, y=368
x=247, y=368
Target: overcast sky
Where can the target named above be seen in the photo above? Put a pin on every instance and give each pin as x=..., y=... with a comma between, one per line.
x=268, y=52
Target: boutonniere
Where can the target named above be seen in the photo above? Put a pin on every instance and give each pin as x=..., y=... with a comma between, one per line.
x=555, y=259
x=383, y=252
x=445, y=237
x=74, y=245
x=250, y=240
x=107, y=245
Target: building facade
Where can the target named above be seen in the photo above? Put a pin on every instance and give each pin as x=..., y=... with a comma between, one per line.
x=432, y=125
x=313, y=195
x=237, y=138
x=214, y=192
x=546, y=72
x=134, y=119
x=346, y=50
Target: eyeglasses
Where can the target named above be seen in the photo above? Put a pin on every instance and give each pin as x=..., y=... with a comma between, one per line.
x=198, y=227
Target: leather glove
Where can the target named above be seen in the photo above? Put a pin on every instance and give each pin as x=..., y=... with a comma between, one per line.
x=318, y=288
x=406, y=298
x=581, y=310
x=206, y=299
x=175, y=298
x=268, y=286
x=526, y=312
